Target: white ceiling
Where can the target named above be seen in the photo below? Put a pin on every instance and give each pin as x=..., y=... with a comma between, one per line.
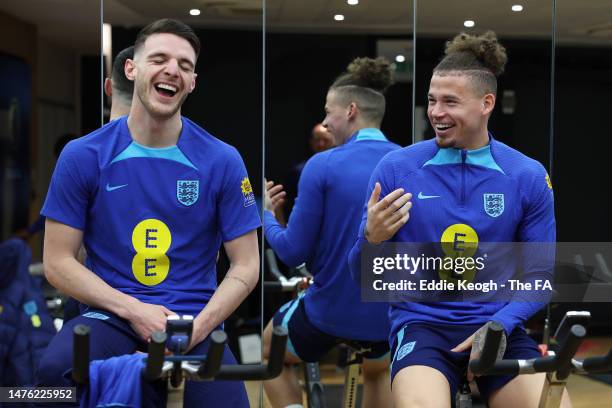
x=75, y=23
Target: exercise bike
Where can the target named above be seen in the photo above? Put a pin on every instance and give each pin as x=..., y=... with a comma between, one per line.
x=557, y=366
x=314, y=390
x=178, y=367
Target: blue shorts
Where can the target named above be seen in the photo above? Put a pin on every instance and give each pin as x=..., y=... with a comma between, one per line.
x=309, y=343
x=112, y=336
x=430, y=345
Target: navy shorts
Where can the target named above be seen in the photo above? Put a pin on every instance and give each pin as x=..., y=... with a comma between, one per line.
x=430, y=345
x=112, y=336
x=309, y=343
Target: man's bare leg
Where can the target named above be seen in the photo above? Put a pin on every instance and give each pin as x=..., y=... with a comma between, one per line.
x=283, y=390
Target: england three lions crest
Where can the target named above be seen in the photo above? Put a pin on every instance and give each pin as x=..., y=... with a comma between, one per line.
x=187, y=191
x=494, y=204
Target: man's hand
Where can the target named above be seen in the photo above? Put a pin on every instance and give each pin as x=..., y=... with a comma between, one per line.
x=388, y=215
x=476, y=343
x=146, y=318
x=274, y=197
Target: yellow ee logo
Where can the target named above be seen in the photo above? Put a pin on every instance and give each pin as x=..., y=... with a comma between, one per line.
x=459, y=241
x=151, y=239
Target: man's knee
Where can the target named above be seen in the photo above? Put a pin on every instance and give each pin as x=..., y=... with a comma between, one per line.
x=53, y=370
x=420, y=386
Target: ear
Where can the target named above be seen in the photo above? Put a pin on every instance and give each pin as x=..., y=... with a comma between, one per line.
x=130, y=69
x=108, y=87
x=488, y=103
x=351, y=111
x=193, y=83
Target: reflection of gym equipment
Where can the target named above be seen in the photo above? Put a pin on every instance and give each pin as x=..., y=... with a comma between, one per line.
x=314, y=390
x=583, y=280
x=558, y=367
x=179, y=366
x=313, y=387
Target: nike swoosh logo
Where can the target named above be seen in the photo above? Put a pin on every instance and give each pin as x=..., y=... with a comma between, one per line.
x=425, y=197
x=111, y=188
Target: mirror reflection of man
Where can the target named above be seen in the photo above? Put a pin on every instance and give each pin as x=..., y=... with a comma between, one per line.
x=320, y=140
x=118, y=87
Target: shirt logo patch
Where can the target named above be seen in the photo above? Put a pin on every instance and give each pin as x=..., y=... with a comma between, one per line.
x=187, y=191
x=96, y=315
x=425, y=197
x=494, y=204
x=112, y=188
x=247, y=192
x=405, y=350
x=548, y=182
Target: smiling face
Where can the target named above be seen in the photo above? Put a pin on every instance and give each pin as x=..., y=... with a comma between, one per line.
x=457, y=112
x=163, y=74
x=337, y=118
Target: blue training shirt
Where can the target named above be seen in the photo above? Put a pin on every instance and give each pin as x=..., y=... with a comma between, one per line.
x=492, y=194
x=153, y=218
x=321, y=230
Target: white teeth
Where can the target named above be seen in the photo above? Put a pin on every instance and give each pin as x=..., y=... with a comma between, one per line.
x=166, y=86
x=442, y=126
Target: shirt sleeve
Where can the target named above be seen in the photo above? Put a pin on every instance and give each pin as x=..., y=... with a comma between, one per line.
x=538, y=233
x=70, y=188
x=237, y=212
x=295, y=243
x=383, y=174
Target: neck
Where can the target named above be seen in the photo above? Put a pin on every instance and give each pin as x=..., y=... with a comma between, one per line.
x=481, y=139
x=152, y=131
x=357, y=126
x=118, y=109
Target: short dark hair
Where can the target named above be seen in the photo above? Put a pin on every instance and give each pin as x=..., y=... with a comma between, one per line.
x=481, y=57
x=168, y=26
x=121, y=85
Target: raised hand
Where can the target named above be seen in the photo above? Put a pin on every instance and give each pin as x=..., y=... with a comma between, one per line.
x=387, y=216
x=275, y=196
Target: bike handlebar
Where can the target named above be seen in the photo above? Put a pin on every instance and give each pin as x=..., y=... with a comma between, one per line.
x=561, y=363
x=156, y=365
x=155, y=360
x=251, y=372
x=80, y=354
x=211, y=366
x=287, y=285
x=273, y=265
x=598, y=364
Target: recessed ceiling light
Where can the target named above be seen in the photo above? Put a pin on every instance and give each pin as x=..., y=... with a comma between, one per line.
x=352, y=2
x=400, y=58
x=339, y=17
x=469, y=23
x=194, y=12
x=517, y=7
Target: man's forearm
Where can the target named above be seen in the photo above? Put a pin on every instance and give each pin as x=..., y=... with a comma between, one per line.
x=238, y=283
x=74, y=279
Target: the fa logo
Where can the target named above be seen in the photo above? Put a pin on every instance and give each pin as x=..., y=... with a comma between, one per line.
x=405, y=350
x=187, y=191
x=494, y=204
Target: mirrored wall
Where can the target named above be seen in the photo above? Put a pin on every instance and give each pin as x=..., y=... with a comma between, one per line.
x=51, y=93
x=264, y=73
